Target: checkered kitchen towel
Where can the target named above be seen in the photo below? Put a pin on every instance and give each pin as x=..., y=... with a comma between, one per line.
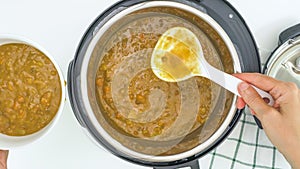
x=247, y=147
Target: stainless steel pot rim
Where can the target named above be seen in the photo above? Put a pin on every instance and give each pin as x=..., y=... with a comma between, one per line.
x=278, y=53
x=84, y=85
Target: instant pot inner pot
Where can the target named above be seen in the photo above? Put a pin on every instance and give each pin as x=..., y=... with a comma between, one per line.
x=141, y=112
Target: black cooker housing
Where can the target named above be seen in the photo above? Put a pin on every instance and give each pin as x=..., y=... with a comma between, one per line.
x=223, y=13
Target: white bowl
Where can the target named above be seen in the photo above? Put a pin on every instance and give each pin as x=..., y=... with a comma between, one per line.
x=9, y=142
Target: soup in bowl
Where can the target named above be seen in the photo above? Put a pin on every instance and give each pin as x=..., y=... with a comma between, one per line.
x=31, y=91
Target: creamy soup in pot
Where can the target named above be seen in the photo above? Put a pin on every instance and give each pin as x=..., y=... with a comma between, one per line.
x=138, y=110
x=139, y=104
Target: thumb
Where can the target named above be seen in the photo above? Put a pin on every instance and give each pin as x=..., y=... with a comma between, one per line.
x=3, y=158
x=253, y=99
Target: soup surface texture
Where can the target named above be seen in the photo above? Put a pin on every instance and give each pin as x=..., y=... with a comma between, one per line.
x=30, y=89
x=137, y=109
x=137, y=102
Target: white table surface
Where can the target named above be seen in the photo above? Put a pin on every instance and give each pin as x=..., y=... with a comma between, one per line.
x=58, y=26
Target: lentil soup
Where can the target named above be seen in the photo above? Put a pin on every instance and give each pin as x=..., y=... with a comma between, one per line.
x=30, y=89
x=138, y=103
x=127, y=103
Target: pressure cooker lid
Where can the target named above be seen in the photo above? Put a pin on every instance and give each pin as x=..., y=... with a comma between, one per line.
x=284, y=63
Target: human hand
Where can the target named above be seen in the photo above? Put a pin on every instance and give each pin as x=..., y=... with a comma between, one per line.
x=3, y=159
x=281, y=122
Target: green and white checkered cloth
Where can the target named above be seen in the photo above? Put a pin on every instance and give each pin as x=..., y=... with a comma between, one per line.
x=247, y=147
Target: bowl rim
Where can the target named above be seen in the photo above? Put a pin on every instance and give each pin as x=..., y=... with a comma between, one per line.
x=10, y=142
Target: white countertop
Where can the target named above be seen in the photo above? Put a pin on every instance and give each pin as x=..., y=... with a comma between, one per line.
x=58, y=26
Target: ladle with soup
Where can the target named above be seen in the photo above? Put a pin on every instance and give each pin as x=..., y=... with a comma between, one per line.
x=178, y=56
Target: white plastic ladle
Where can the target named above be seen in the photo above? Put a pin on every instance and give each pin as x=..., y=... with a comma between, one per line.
x=178, y=56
